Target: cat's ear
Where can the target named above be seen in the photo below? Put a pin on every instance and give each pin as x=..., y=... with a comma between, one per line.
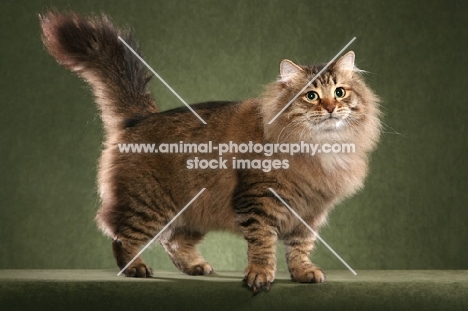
x=288, y=69
x=346, y=63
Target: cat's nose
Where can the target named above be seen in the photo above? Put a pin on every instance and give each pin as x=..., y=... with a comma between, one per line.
x=330, y=108
x=328, y=105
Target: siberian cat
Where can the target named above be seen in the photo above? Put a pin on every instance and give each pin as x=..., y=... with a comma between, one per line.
x=142, y=192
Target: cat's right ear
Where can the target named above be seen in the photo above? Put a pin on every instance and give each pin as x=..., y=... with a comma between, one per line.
x=288, y=70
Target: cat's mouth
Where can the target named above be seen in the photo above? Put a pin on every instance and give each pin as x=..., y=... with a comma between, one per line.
x=332, y=122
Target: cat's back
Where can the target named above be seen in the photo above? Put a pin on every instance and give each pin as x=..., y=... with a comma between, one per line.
x=225, y=120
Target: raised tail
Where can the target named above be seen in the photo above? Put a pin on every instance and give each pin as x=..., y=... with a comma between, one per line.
x=91, y=48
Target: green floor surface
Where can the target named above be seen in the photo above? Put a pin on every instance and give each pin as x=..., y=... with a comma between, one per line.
x=104, y=290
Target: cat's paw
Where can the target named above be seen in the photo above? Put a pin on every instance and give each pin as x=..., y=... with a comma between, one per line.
x=200, y=269
x=140, y=270
x=309, y=274
x=259, y=277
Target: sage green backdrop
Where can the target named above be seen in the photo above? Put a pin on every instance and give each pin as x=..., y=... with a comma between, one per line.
x=413, y=211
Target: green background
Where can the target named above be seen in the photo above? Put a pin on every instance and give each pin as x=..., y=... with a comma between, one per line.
x=413, y=211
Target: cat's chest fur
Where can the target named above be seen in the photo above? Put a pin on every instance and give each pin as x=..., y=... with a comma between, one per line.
x=328, y=178
x=345, y=171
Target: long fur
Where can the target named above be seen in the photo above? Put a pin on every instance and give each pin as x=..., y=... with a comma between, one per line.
x=141, y=192
x=90, y=48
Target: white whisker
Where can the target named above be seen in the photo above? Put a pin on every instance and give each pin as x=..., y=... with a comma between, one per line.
x=386, y=125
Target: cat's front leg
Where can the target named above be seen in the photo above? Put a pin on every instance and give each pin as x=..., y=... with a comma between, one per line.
x=261, y=253
x=298, y=248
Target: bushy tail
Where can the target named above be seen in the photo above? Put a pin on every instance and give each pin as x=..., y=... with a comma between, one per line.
x=91, y=48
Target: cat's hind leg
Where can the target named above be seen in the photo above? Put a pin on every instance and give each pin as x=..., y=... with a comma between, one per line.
x=133, y=229
x=124, y=252
x=180, y=244
x=132, y=224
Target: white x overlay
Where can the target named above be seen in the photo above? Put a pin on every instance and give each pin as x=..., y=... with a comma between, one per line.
x=203, y=189
x=311, y=81
x=313, y=231
x=160, y=232
x=162, y=80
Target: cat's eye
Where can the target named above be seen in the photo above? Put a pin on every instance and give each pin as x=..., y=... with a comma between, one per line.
x=340, y=92
x=311, y=96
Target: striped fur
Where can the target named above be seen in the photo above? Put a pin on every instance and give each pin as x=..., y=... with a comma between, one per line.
x=141, y=193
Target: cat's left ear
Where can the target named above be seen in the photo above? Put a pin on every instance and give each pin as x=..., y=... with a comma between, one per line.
x=346, y=63
x=288, y=69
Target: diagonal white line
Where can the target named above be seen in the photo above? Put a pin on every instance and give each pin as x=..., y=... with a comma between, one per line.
x=311, y=81
x=313, y=231
x=162, y=80
x=160, y=232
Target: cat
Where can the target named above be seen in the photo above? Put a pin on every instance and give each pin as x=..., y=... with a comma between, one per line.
x=141, y=192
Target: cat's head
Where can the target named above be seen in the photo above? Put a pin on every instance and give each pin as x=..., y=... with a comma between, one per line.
x=337, y=105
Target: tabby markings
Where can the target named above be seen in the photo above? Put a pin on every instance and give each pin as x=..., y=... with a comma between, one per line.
x=313, y=231
x=160, y=232
x=311, y=81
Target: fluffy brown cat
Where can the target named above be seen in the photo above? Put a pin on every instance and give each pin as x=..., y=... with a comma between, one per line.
x=142, y=192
